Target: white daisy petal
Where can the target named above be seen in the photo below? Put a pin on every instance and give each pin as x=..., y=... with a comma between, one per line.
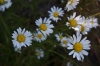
x=84, y=52
x=81, y=55
x=74, y=39
x=71, y=52
x=78, y=56
x=70, y=46
x=79, y=38
x=74, y=55
x=82, y=41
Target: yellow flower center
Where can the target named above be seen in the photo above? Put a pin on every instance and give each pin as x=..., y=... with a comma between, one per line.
x=82, y=28
x=39, y=36
x=21, y=38
x=72, y=23
x=1, y=1
x=55, y=14
x=71, y=1
x=64, y=42
x=60, y=37
x=43, y=27
x=92, y=22
x=38, y=53
x=78, y=47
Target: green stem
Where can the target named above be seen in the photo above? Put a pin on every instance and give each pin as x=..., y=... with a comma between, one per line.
x=95, y=15
x=5, y=25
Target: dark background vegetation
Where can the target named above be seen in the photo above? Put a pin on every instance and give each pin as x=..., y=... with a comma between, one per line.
x=23, y=13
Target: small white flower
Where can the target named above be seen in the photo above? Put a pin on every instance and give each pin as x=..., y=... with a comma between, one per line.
x=18, y=49
x=55, y=45
x=71, y=5
x=39, y=53
x=62, y=1
x=87, y=22
x=73, y=21
x=84, y=25
x=4, y=4
x=84, y=29
x=64, y=42
x=21, y=38
x=39, y=36
x=69, y=64
x=33, y=36
x=78, y=46
x=44, y=26
x=59, y=36
x=55, y=13
x=94, y=22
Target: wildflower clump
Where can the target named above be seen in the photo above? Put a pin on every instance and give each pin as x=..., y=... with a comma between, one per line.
x=63, y=29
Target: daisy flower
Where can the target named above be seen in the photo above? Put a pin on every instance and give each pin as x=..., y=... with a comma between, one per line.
x=64, y=42
x=39, y=53
x=44, y=26
x=62, y=1
x=33, y=36
x=69, y=64
x=78, y=46
x=84, y=29
x=39, y=36
x=21, y=38
x=5, y=4
x=59, y=36
x=71, y=5
x=87, y=22
x=84, y=26
x=18, y=49
x=73, y=21
x=94, y=22
x=55, y=13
